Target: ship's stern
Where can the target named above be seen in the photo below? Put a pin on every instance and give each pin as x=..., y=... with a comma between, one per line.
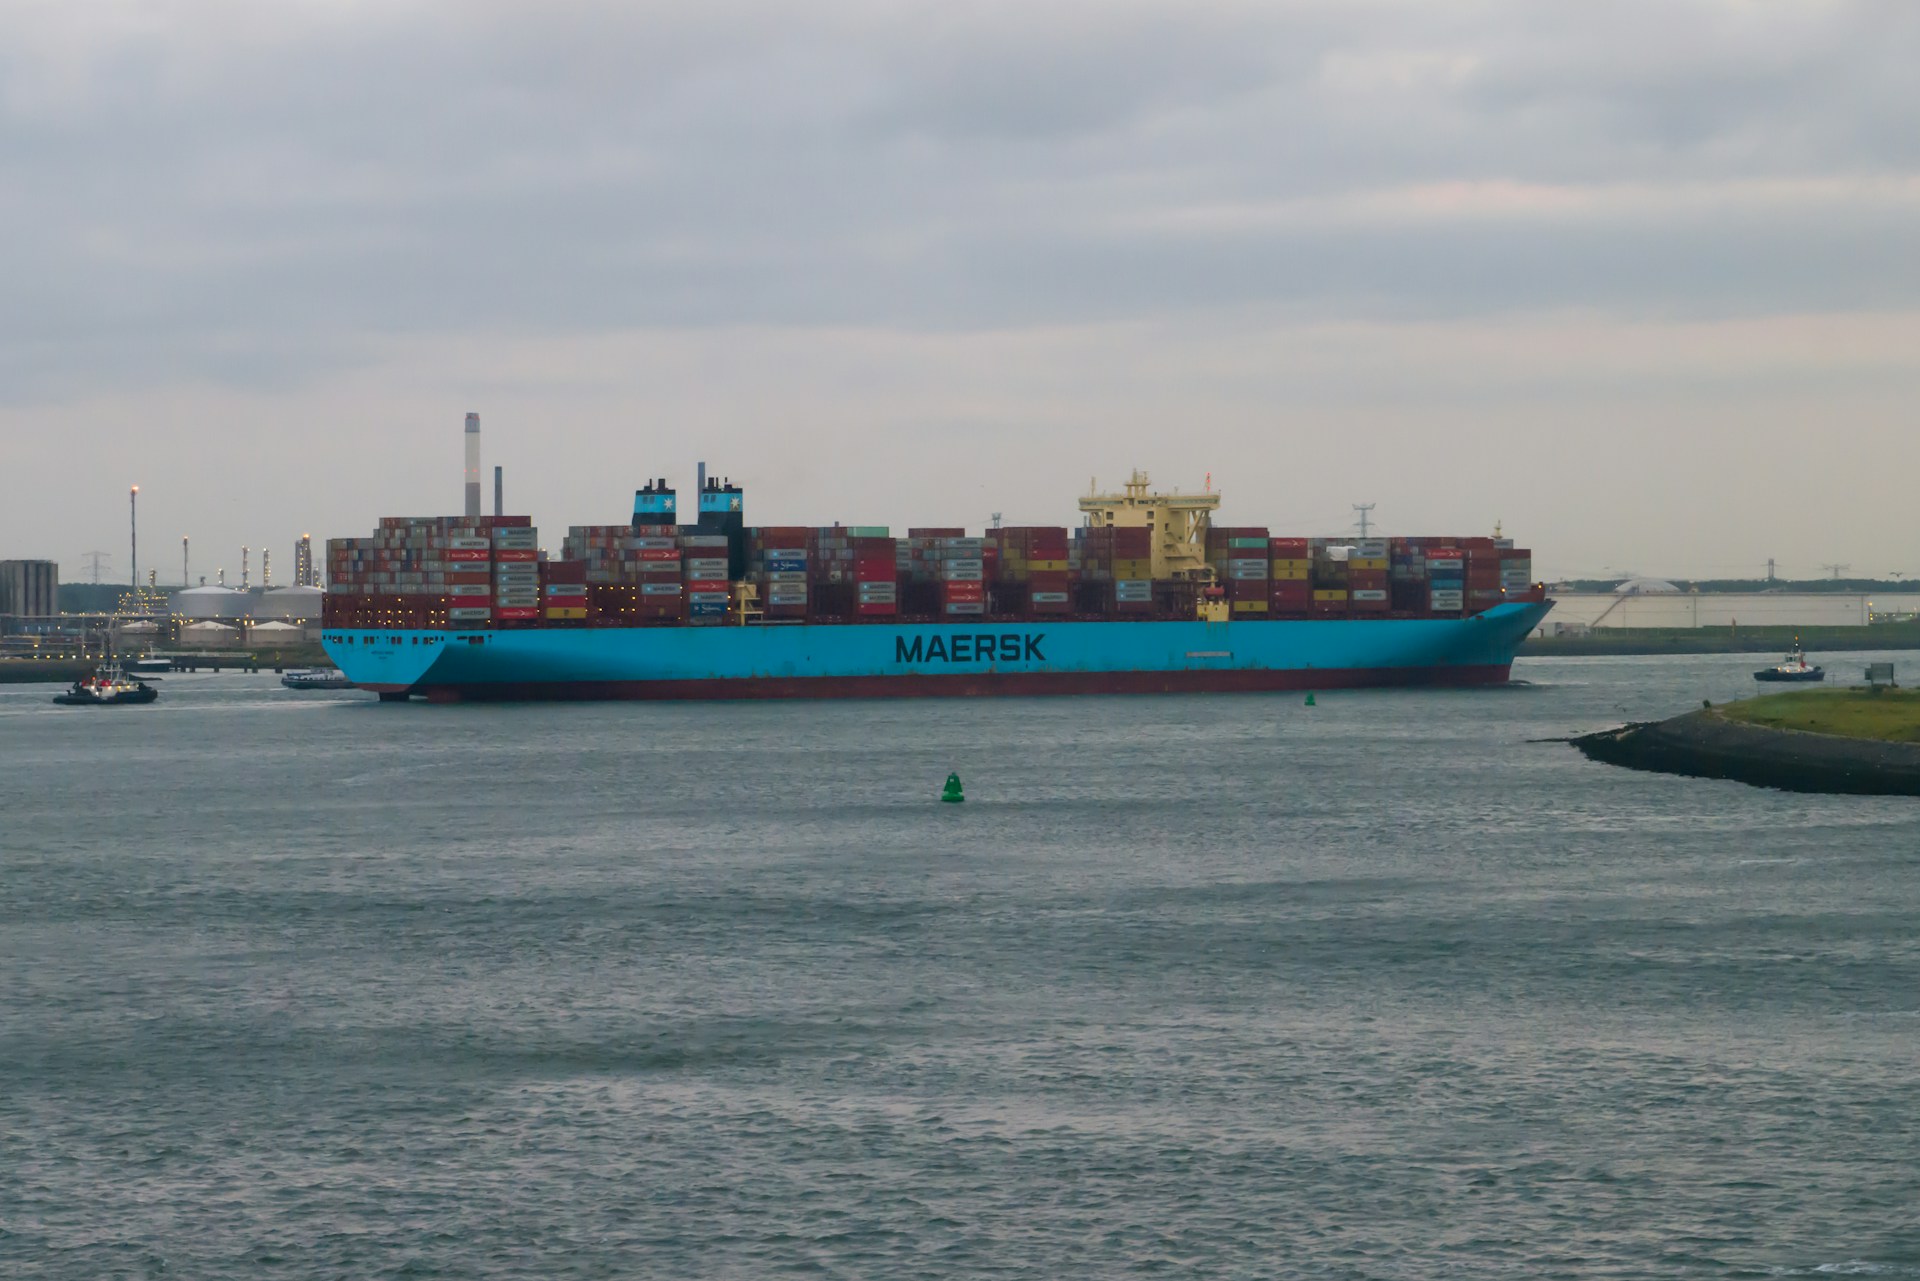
x=389, y=662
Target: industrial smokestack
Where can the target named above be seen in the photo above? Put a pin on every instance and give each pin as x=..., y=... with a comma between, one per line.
x=133, y=533
x=184, y=580
x=243, y=568
x=473, y=466
x=266, y=567
x=499, y=493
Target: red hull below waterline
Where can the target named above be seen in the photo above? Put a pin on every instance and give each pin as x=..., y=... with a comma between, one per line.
x=967, y=685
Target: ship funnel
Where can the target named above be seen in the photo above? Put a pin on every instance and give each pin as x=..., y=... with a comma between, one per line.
x=473, y=466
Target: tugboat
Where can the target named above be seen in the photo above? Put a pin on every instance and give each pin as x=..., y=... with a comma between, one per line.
x=1793, y=667
x=107, y=687
x=316, y=678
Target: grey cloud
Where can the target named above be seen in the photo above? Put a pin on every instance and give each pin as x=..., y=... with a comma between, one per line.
x=221, y=192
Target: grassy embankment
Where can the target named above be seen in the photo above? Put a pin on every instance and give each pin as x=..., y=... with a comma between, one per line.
x=1891, y=716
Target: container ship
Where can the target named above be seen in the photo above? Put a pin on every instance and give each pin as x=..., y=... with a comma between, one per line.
x=1147, y=595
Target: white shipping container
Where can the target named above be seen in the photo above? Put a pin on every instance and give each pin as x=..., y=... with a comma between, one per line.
x=962, y=576
x=1366, y=593
x=966, y=607
x=470, y=544
x=1049, y=598
x=659, y=589
x=469, y=615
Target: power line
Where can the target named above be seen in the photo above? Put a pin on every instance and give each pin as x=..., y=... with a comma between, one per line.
x=1365, y=510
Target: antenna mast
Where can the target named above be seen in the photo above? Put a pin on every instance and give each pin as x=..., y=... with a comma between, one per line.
x=1366, y=512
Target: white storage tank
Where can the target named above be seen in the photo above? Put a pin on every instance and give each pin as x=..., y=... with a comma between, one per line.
x=289, y=604
x=211, y=602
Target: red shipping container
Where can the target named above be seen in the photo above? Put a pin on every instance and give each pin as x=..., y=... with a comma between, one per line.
x=516, y=611
x=877, y=607
x=509, y=553
x=708, y=585
x=659, y=553
x=456, y=554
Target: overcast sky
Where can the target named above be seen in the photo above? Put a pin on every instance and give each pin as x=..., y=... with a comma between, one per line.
x=1640, y=279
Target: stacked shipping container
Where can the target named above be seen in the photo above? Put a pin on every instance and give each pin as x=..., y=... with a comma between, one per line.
x=428, y=571
x=437, y=572
x=1117, y=562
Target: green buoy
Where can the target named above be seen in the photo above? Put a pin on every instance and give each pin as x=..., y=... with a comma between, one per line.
x=952, y=795
x=1309, y=700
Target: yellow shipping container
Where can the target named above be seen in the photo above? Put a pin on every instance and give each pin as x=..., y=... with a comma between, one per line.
x=1249, y=607
x=1330, y=595
x=1357, y=563
x=1289, y=575
x=1302, y=565
x=566, y=613
x=1042, y=566
x=1133, y=569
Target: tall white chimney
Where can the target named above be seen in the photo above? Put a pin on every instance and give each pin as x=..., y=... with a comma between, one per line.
x=473, y=466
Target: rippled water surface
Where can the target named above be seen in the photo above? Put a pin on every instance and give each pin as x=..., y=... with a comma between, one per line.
x=303, y=985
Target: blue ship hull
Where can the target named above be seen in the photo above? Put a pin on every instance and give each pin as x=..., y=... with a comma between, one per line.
x=876, y=660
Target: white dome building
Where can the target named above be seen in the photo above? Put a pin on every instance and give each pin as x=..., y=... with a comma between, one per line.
x=211, y=602
x=1646, y=587
x=208, y=634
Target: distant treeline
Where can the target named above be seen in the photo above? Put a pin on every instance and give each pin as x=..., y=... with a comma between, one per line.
x=1755, y=585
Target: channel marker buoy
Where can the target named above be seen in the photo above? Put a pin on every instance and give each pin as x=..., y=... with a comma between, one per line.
x=953, y=795
x=1310, y=702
